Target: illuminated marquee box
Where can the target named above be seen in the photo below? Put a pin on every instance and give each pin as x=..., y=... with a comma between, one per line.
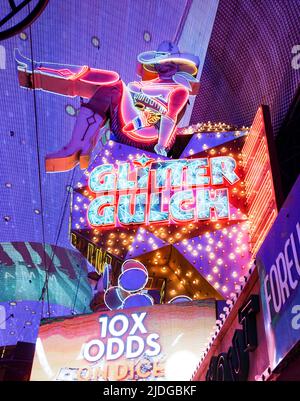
x=148, y=191
x=137, y=344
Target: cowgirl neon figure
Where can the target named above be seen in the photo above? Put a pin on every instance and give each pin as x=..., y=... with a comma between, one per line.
x=143, y=113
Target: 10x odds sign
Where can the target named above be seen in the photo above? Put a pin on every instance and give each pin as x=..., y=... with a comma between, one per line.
x=123, y=337
x=112, y=329
x=150, y=343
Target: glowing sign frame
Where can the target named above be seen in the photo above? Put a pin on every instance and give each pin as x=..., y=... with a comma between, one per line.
x=134, y=193
x=102, y=338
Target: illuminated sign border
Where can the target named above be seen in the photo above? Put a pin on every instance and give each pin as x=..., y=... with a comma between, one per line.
x=144, y=198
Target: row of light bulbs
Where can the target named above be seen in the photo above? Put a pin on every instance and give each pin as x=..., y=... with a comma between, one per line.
x=223, y=316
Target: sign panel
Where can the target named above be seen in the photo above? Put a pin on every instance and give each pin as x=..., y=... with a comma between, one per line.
x=129, y=204
x=279, y=270
x=147, y=199
x=137, y=344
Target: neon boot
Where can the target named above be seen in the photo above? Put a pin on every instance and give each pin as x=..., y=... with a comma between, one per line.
x=79, y=149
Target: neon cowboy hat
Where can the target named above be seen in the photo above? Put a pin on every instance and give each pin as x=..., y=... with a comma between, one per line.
x=169, y=52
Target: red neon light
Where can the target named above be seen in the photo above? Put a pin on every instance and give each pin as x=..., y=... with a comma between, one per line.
x=140, y=138
x=104, y=77
x=65, y=72
x=176, y=98
x=259, y=186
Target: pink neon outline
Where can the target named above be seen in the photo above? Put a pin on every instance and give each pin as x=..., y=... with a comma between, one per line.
x=150, y=222
x=135, y=188
x=114, y=172
x=210, y=166
x=210, y=209
x=104, y=83
x=147, y=191
x=102, y=207
x=134, y=135
x=207, y=168
x=168, y=176
x=140, y=139
x=140, y=165
x=180, y=296
x=70, y=75
x=194, y=219
x=145, y=216
x=136, y=263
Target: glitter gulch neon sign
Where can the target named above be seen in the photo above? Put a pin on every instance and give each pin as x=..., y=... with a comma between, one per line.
x=147, y=191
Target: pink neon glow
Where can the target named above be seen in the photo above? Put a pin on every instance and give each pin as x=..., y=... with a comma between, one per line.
x=132, y=263
x=176, y=98
x=141, y=139
x=259, y=192
x=65, y=72
x=103, y=77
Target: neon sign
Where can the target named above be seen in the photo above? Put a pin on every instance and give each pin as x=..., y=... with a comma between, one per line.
x=160, y=342
x=115, y=347
x=144, y=113
x=169, y=191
